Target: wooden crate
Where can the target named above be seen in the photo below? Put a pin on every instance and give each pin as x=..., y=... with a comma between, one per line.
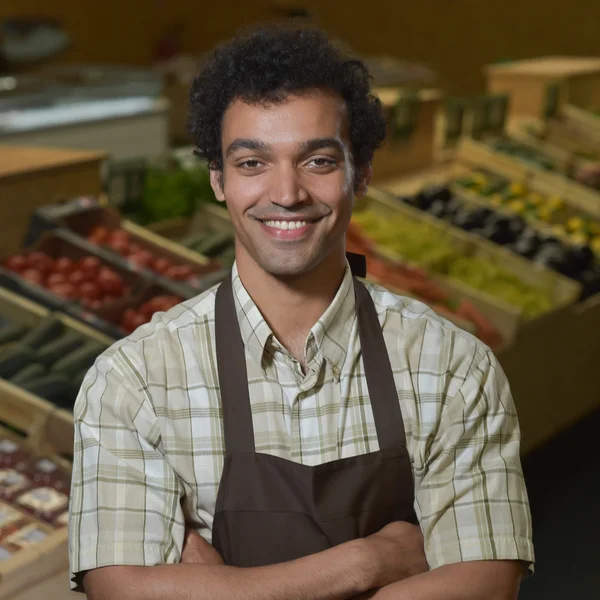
x=417, y=150
x=527, y=81
x=31, y=566
x=49, y=426
x=546, y=182
x=30, y=177
x=209, y=216
x=506, y=317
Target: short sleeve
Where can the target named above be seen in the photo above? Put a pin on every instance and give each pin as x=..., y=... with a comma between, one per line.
x=125, y=498
x=471, y=493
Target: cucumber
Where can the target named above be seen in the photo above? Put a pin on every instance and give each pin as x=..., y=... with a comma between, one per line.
x=59, y=348
x=28, y=374
x=15, y=358
x=12, y=333
x=79, y=359
x=47, y=330
x=51, y=387
x=76, y=382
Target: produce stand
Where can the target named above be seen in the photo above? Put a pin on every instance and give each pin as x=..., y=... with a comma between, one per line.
x=528, y=82
x=33, y=559
x=32, y=177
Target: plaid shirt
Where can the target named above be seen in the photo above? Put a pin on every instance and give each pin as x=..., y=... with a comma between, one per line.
x=149, y=446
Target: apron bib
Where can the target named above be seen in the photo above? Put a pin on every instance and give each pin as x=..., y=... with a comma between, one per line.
x=272, y=510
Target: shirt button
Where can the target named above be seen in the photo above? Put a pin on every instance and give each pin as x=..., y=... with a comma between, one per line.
x=336, y=372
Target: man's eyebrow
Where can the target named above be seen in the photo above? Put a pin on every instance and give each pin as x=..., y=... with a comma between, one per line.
x=321, y=143
x=247, y=144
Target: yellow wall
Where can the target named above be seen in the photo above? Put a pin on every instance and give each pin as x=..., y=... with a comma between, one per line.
x=455, y=37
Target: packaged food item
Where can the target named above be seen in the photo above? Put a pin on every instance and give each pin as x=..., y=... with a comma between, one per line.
x=27, y=536
x=62, y=520
x=11, y=520
x=12, y=483
x=11, y=454
x=43, y=502
x=45, y=472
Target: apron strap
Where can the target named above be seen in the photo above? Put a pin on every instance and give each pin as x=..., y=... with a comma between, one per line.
x=233, y=378
x=378, y=369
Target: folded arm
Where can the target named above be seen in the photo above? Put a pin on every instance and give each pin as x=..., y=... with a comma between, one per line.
x=477, y=580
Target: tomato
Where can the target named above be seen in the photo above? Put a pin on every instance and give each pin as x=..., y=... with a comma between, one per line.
x=179, y=273
x=119, y=246
x=134, y=248
x=110, y=282
x=161, y=265
x=90, y=290
x=143, y=259
x=56, y=279
x=16, y=263
x=90, y=265
x=92, y=304
x=40, y=261
x=98, y=235
x=126, y=320
x=64, y=290
x=138, y=320
x=77, y=278
x=118, y=235
x=64, y=265
x=33, y=275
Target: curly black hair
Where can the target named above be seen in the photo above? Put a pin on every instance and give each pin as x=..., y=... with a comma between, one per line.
x=266, y=65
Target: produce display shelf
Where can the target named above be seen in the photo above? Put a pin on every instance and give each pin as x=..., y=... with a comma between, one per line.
x=36, y=563
x=508, y=318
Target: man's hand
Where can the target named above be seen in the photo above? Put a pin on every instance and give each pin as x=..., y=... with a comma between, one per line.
x=197, y=551
x=397, y=552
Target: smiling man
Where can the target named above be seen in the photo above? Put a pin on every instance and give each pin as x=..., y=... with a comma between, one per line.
x=294, y=432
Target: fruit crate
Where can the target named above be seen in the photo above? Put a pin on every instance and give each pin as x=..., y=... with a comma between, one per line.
x=33, y=564
x=578, y=195
x=63, y=244
x=508, y=319
x=20, y=311
x=85, y=216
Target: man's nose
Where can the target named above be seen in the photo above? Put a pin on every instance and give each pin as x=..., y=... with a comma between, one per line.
x=287, y=188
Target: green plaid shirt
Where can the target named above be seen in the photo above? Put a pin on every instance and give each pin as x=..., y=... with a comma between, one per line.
x=149, y=436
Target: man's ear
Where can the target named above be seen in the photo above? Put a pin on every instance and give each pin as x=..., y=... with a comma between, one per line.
x=216, y=182
x=364, y=174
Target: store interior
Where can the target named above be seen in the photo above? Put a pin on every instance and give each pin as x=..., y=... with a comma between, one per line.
x=485, y=205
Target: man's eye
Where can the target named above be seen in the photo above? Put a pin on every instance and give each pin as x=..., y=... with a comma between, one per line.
x=323, y=162
x=250, y=164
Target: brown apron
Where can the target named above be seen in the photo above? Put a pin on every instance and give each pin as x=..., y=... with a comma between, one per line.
x=272, y=510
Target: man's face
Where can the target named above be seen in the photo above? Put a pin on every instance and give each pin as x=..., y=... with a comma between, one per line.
x=288, y=180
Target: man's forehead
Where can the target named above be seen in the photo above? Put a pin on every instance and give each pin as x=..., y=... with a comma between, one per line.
x=319, y=113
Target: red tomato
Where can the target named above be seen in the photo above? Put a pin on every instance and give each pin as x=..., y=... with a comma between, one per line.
x=33, y=275
x=142, y=259
x=40, y=261
x=126, y=320
x=108, y=299
x=119, y=246
x=64, y=265
x=110, y=282
x=179, y=273
x=134, y=248
x=90, y=265
x=162, y=265
x=16, y=263
x=56, y=279
x=90, y=290
x=138, y=320
x=64, y=290
x=98, y=235
x=91, y=304
x=118, y=234
x=77, y=278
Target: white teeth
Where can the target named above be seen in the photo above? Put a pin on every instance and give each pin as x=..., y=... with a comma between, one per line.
x=285, y=225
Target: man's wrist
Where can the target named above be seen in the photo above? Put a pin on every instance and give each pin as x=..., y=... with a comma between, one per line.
x=364, y=566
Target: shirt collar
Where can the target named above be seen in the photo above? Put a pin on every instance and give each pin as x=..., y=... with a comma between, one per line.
x=329, y=336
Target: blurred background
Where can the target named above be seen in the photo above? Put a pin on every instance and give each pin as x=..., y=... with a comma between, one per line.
x=485, y=205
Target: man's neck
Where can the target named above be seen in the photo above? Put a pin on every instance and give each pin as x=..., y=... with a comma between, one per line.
x=292, y=306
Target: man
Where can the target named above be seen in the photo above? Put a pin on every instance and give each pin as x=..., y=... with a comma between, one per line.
x=324, y=437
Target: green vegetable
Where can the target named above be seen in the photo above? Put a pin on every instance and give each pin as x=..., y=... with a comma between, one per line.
x=13, y=359
x=11, y=333
x=78, y=360
x=51, y=387
x=48, y=329
x=28, y=374
x=59, y=348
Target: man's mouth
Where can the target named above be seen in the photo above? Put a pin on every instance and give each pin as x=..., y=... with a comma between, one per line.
x=286, y=225
x=288, y=229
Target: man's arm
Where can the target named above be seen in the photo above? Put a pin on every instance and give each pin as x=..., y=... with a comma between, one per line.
x=334, y=574
x=478, y=580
